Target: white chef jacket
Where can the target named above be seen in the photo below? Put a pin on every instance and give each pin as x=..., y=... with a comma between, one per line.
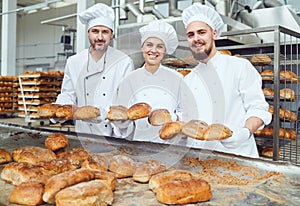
x=87, y=82
x=160, y=90
x=227, y=91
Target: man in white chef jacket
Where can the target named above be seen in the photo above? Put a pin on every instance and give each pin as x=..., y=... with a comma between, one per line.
x=227, y=88
x=92, y=76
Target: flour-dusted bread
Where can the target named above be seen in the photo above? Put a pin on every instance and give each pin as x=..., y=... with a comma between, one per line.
x=86, y=112
x=63, y=180
x=27, y=193
x=94, y=192
x=66, y=111
x=56, y=141
x=122, y=166
x=170, y=130
x=32, y=154
x=138, y=111
x=47, y=110
x=159, y=117
x=184, y=191
x=217, y=132
x=151, y=167
x=109, y=178
x=5, y=156
x=96, y=162
x=117, y=113
x=75, y=155
x=195, y=129
x=57, y=166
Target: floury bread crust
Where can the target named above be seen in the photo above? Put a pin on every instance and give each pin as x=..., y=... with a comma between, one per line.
x=138, y=111
x=86, y=112
x=117, y=113
x=159, y=117
x=144, y=172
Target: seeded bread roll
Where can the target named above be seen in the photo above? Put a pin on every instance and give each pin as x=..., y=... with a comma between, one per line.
x=5, y=156
x=86, y=112
x=94, y=192
x=56, y=141
x=195, y=129
x=117, y=113
x=138, y=111
x=144, y=172
x=159, y=117
x=122, y=166
x=170, y=130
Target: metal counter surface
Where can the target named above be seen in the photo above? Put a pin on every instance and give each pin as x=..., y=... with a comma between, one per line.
x=273, y=183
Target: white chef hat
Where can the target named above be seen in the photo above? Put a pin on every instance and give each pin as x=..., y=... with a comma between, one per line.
x=163, y=31
x=98, y=14
x=206, y=14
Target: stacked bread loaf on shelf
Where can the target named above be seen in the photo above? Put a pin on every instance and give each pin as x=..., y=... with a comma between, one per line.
x=9, y=94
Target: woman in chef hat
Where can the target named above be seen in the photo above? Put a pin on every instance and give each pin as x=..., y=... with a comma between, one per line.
x=153, y=83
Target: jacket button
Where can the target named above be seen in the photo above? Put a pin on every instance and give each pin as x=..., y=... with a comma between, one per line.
x=103, y=77
x=86, y=78
x=103, y=94
x=105, y=125
x=87, y=94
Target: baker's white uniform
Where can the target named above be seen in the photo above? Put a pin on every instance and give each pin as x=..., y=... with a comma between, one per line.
x=87, y=82
x=228, y=91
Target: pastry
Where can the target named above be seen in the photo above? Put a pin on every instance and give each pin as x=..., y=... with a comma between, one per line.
x=117, y=113
x=195, y=129
x=144, y=172
x=170, y=130
x=86, y=112
x=56, y=141
x=122, y=166
x=217, y=132
x=138, y=111
x=159, y=117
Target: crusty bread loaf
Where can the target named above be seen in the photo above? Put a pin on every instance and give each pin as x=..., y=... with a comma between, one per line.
x=122, y=166
x=56, y=166
x=287, y=93
x=96, y=162
x=260, y=60
x=227, y=52
x=159, y=117
x=144, y=172
x=5, y=156
x=170, y=130
x=86, y=112
x=174, y=62
x=66, y=111
x=284, y=114
x=117, y=113
x=289, y=76
x=138, y=111
x=56, y=141
x=268, y=93
x=94, y=192
x=109, y=178
x=268, y=131
x=195, y=129
x=27, y=193
x=267, y=75
x=184, y=191
x=47, y=110
x=184, y=72
x=32, y=154
x=63, y=180
x=75, y=155
x=268, y=152
x=217, y=132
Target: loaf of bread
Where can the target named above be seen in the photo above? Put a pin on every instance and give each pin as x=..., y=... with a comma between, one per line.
x=109, y=178
x=75, y=155
x=159, y=117
x=96, y=162
x=227, y=52
x=66, y=111
x=284, y=114
x=5, y=156
x=217, y=132
x=184, y=72
x=267, y=75
x=287, y=93
x=47, y=110
x=32, y=154
x=138, y=111
x=56, y=166
x=170, y=130
x=285, y=133
x=117, y=113
x=122, y=166
x=195, y=129
x=86, y=112
x=268, y=93
x=56, y=141
x=144, y=172
x=27, y=193
x=94, y=192
x=174, y=62
x=268, y=152
x=63, y=180
x=261, y=60
x=288, y=76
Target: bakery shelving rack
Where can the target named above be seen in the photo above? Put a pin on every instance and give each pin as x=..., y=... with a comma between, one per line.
x=283, y=48
x=8, y=95
x=36, y=89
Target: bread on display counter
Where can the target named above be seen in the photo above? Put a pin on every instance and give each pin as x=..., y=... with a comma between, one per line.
x=96, y=162
x=147, y=169
x=56, y=141
x=122, y=165
x=261, y=60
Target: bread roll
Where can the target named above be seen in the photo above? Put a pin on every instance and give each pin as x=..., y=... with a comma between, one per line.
x=284, y=114
x=170, y=130
x=56, y=141
x=86, y=112
x=66, y=111
x=27, y=193
x=184, y=191
x=32, y=154
x=184, y=72
x=174, y=62
x=227, y=52
x=96, y=162
x=217, y=132
x=289, y=76
x=47, y=110
x=260, y=60
x=57, y=166
x=144, y=172
x=94, y=192
x=267, y=75
x=268, y=93
x=287, y=94
x=122, y=166
x=195, y=129
x=109, y=178
x=159, y=117
x=63, y=180
x=117, y=113
x=138, y=111
x=75, y=155
x=268, y=152
x=5, y=156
